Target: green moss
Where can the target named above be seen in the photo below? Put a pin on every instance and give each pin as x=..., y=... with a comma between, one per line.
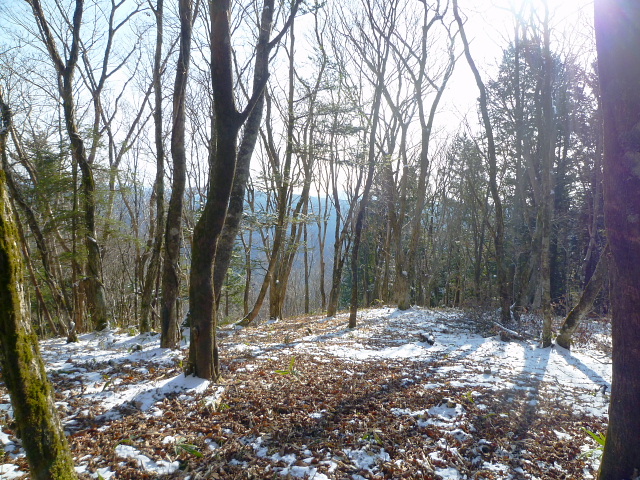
x=22, y=366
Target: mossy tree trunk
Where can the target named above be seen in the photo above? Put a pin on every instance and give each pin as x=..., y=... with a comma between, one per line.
x=22, y=366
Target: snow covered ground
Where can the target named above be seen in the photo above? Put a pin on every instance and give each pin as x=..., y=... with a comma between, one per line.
x=309, y=398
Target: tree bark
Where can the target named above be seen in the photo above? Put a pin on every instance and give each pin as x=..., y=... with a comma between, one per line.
x=407, y=274
x=235, y=209
x=23, y=370
x=498, y=238
x=65, y=70
x=548, y=136
x=278, y=286
x=364, y=201
x=47, y=259
x=589, y=294
x=617, y=40
x=203, y=348
x=342, y=235
x=170, y=332
x=380, y=43
x=153, y=269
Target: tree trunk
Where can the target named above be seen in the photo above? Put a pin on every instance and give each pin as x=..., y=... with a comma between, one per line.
x=287, y=253
x=34, y=280
x=357, y=234
x=546, y=171
x=519, y=284
x=498, y=239
x=47, y=259
x=248, y=272
x=224, y=249
x=65, y=70
x=23, y=370
x=341, y=243
x=617, y=40
x=170, y=334
x=589, y=294
x=203, y=348
x=336, y=279
x=150, y=280
x=279, y=281
x=323, y=220
x=305, y=241
x=426, y=126
x=379, y=72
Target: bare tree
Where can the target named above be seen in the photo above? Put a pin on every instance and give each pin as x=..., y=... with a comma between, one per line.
x=424, y=77
x=203, y=350
x=170, y=334
x=498, y=229
x=589, y=295
x=372, y=41
x=250, y=135
x=156, y=227
x=23, y=370
x=65, y=69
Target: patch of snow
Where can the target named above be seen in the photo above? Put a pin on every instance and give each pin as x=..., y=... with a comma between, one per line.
x=161, y=467
x=92, y=369
x=409, y=351
x=304, y=472
x=144, y=395
x=447, y=413
x=448, y=473
x=105, y=473
x=366, y=459
x=5, y=440
x=9, y=471
x=460, y=435
x=211, y=444
x=6, y=407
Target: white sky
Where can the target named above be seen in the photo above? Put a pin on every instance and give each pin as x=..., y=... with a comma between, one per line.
x=490, y=27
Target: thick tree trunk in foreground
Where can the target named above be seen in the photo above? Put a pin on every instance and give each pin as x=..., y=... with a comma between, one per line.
x=208, y=235
x=203, y=348
x=585, y=303
x=233, y=219
x=22, y=366
x=617, y=40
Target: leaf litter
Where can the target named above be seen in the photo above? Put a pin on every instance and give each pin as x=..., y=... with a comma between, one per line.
x=308, y=398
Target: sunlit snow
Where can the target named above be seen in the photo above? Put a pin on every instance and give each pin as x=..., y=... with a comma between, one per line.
x=578, y=378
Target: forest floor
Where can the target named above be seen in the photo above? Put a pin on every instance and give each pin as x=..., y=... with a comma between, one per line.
x=309, y=398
